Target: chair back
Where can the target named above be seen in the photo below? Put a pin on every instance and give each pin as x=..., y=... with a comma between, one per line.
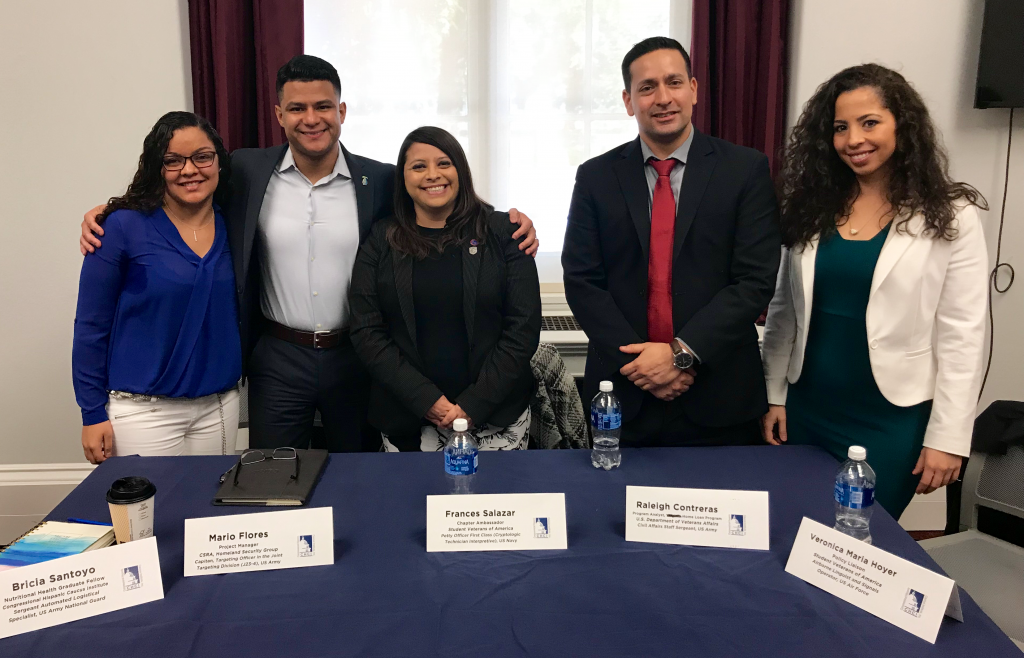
x=993, y=481
x=558, y=420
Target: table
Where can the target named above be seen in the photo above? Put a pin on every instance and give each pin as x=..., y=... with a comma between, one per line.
x=386, y=596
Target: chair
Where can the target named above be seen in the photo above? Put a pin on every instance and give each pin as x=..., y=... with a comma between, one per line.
x=989, y=569
x=558, y=420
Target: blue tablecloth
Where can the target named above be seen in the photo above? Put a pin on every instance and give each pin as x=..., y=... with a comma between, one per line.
x=386, y=596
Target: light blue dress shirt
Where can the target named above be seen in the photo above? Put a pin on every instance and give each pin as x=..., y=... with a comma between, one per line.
x=309, y=240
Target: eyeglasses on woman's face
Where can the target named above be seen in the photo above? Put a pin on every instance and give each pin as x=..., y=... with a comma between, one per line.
x=201, y=160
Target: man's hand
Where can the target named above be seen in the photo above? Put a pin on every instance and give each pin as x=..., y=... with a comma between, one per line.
x=681, y=384
x=453, y=413
x=88, y=242
x=653, y=368
x=530, y=243
x=937, y=469
x=98, y=441
x=776, y=416
x=439, y=410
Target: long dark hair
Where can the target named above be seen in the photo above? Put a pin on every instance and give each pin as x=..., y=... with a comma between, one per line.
x=469, y=216
x=817, y=188
x=146, y=191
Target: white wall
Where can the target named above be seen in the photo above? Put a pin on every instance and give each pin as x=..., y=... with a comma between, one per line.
x=934, y=44
x=82, y=84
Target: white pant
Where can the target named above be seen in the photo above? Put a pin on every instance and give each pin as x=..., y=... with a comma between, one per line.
x=175, y=426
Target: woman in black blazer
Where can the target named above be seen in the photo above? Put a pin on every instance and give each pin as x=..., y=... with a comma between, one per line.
x=445, y=308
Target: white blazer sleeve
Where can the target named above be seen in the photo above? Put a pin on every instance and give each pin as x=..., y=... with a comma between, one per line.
x=959, y=341
x=779, y=333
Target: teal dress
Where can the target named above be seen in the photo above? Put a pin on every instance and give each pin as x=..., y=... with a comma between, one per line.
x=836, y=403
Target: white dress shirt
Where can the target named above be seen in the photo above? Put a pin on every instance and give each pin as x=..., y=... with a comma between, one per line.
x=309, y=237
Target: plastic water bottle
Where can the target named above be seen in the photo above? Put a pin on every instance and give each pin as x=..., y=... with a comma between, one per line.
x=460, y=458
x=855, y=495
x=605, y=421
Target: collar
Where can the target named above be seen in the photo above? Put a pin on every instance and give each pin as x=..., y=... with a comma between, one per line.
x=340, y=167
x=680, y=153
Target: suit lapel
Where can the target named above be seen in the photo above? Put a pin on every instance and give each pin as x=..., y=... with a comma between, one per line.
x=257, y=191
x=630, y=172
x=700, y=162
x=896, y=244
x=470, y=275
x=364, y=193
x=402, y=266
x=807, y=259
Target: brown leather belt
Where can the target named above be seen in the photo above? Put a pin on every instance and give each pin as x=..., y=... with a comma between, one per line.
x=319, y=340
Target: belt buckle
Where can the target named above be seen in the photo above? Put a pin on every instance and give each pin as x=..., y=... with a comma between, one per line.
x=316, y=339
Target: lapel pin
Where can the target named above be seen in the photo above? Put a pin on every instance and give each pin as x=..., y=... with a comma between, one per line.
x=364, y=180
x=472, y=247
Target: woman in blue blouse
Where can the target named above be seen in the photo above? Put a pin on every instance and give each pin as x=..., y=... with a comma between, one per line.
x=156, y=353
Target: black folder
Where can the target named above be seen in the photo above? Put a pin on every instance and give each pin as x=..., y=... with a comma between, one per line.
x=269, y=483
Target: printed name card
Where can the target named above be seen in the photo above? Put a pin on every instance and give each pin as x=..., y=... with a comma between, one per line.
x=720, y=518
x=260, y=541
x=496, y=522
x=79, y=586
x=900, y=592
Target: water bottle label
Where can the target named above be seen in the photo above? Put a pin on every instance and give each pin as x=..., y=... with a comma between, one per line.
x=602, y=421
x=854, y=497
x=460, y=464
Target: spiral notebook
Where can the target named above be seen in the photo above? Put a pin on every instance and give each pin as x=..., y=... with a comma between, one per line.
x=50, y=540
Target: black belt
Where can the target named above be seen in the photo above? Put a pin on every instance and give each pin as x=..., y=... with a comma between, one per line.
x=319, y=340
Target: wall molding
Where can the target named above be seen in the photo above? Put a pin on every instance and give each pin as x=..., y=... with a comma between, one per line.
x=43, y=474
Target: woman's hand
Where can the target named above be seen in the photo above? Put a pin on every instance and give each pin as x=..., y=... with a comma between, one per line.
x=98, y=441
x=937, y=469
x=776, y=416
x=437, y=412
x=453, y=413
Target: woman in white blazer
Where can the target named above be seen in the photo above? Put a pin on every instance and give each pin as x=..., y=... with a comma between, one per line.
x=876, y=332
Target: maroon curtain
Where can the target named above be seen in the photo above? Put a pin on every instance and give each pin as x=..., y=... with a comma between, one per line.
x=237, y=47
x=738, y=50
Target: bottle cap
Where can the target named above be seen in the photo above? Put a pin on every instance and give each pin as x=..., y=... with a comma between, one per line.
x=857, y=453
x=606, y=386
x=460, y=425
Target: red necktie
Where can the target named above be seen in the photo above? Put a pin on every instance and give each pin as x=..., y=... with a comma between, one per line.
x=659, y=268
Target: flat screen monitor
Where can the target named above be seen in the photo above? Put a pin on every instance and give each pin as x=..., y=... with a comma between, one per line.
x=1001, y=63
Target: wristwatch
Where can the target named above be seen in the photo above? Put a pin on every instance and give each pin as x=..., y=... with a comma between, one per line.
x=681, y=356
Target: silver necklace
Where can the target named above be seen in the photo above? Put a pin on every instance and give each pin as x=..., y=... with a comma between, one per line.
x=195, y=234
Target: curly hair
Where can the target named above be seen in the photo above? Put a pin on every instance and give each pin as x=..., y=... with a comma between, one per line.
x=817, y=188
x=146, y=191
x=469, y=216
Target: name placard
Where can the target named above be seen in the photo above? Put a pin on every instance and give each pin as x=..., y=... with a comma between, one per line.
x=260, y=541
x=79, y=586
x=496, y=522
x=900, y=592
x=721, y=518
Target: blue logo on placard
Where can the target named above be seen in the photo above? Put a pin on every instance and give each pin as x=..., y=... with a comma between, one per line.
x=913, y=602
x=736, y=525
x=540, y=528
x=305, y=545
x=131, y=578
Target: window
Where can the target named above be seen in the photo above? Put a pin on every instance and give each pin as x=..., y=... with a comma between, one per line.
x=531, y=88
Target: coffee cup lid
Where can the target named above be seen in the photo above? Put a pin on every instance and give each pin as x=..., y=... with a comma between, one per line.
x=126, y=491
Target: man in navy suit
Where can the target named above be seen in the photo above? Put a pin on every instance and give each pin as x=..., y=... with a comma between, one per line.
x=671, y=252
x=296, y=217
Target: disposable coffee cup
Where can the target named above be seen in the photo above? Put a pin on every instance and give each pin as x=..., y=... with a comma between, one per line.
x=131, y=508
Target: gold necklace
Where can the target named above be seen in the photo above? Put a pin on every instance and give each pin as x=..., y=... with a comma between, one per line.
x=855, y=231
x=195, y=235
